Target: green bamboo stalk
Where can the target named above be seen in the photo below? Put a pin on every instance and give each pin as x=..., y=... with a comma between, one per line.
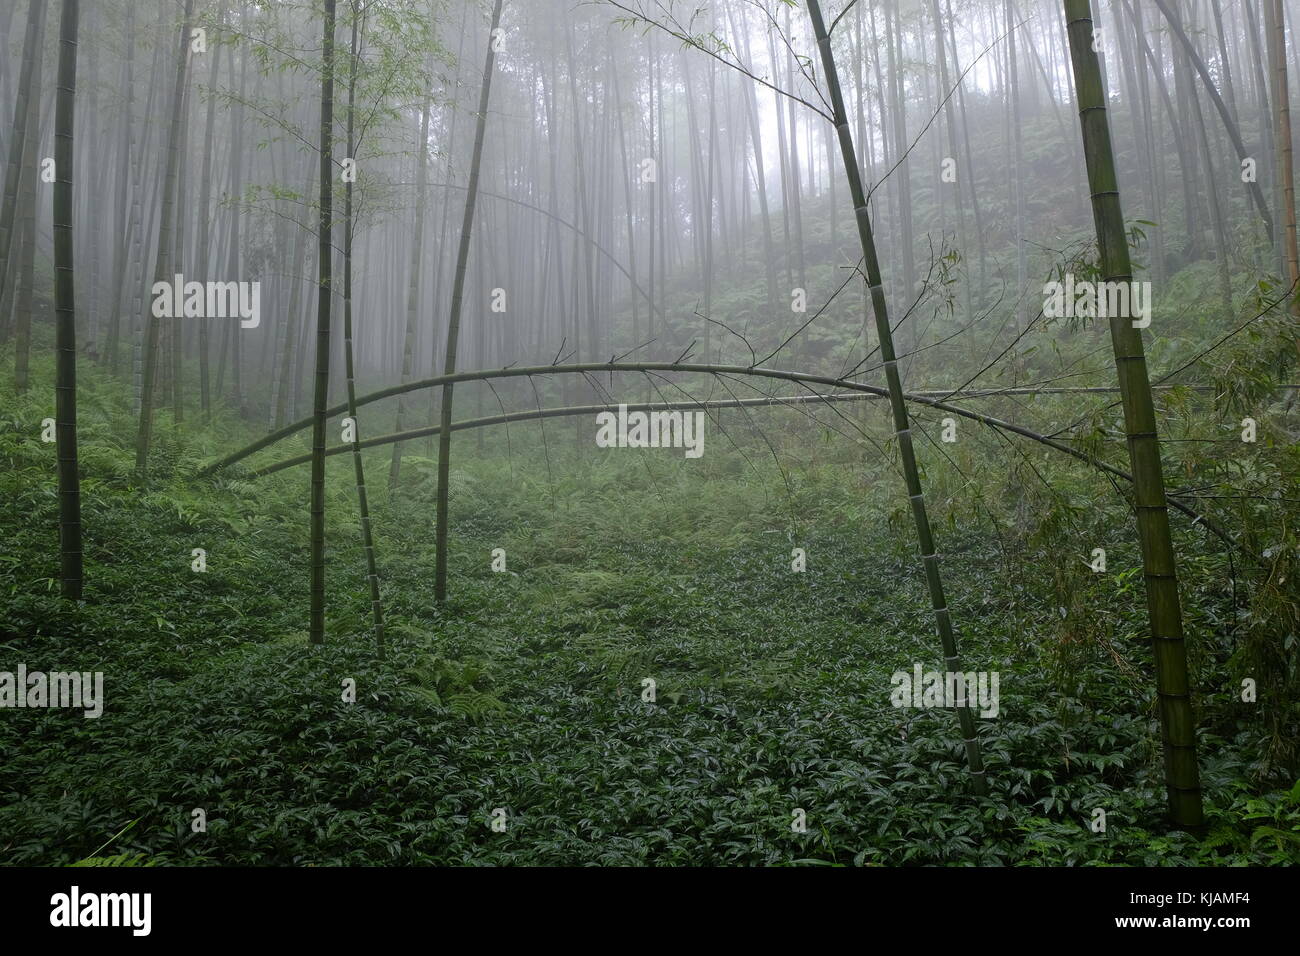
x=413, y=278
x=162, y=265
x=1177, y=728
x=203, y=253
x=65, y=382
x=453, y=321
x=860, y=393
x=902, y=423
x=1282, y=109
x=17, y=141
x=325, y=292
x=363, y=505
x=24, y=251
x=1229, y=126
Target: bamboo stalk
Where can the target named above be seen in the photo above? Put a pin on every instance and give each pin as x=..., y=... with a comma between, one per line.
x=453, y=321
x=1252, y=187
x=523, y=371
x=902, y=424
x=325, y=291
x=17, y=146
x=1177, y=727
x=162, y=264
x=359, y=472
x=65, y=386
x=929, y=399
x=1282, y=96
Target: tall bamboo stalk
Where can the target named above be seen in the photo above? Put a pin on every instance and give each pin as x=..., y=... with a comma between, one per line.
x=162, y=264
x=1282, y=97
x=413, y=274
x=902, y=424
x=349, y=228
x=453, y=319
x=203, y=256
x=17, y=141
x=123, y=221
x=324, y=261
x=25, y=251
x=1231, y=127
x=65, y=382
x=1177, y=729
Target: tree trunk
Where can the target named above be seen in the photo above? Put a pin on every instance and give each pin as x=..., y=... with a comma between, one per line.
x=65, y=382
x=26, y=264
x=363, y=506
x=1177, y=728
x=324, y=261
x=1255, y=192
x=203, y=257
x=902, y=423
x=413, y=280
x=124, y=223
x=453, y=319
x=162, y=270
x=1282, y=97
x=17, y=146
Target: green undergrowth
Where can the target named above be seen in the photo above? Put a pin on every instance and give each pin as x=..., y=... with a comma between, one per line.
x=526, y=692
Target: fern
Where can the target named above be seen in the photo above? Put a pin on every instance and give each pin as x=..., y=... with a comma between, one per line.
x=474, y=705
x=616, y=656
x=458, y=685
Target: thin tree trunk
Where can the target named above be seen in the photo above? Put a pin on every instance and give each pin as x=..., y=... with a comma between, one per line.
x=123, y=222
x=453, y=319
x=17, y=147
x=950, y=126
x=627, y=204
x=65, y=383
x=1179, y=134
x=1255, y=192
x=796, y=185
x=968, y=155
x=172, y=331
x=162, y=270
x=1216, y=209
x=324, y=261
x=1282, y=96
x=26, y=277
x=451, y=110
x=760, y=178
x=234, y=246
x=1177, y=728
x=413, y=280
x=363, y=506
x=902, y=423
x=1225, y=64
x=289, y=321
x=203, y=258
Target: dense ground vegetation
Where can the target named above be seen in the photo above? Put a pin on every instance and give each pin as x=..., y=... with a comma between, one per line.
x=525, y=693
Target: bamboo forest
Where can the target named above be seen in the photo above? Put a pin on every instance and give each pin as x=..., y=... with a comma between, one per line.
x=700, y=433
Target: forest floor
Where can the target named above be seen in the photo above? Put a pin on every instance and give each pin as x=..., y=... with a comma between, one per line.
x=510, y=726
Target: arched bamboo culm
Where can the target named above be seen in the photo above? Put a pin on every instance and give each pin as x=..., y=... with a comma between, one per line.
x=861, y=390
